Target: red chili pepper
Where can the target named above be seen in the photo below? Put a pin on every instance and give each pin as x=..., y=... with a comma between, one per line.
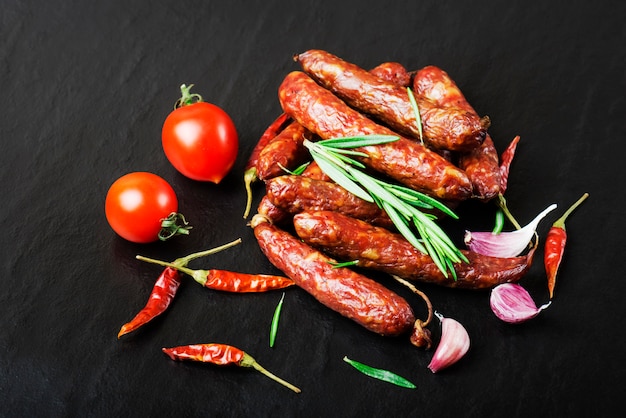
x=250, y=171
x=160, y=298
x=222, y=355
x=555, y=245
x=505, y=165
x=164, y=290
x=228, y=281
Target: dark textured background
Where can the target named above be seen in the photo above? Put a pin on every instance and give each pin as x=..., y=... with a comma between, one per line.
x=85, y=89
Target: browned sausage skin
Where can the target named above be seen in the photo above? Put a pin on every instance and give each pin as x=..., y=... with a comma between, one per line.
x=481, y=163
x=376, y=248
x=294, y=194
x=353, y=295
x=404, y=160
x=284, y=151
x=393, y=72
x=450, y=128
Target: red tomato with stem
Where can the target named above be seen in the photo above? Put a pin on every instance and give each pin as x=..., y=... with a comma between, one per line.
x=142, y=207
x=199, y=138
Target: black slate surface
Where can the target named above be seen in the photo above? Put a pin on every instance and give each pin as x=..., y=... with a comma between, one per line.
x=86, y=87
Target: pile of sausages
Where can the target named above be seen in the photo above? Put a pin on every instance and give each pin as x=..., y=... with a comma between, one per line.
x=305, y=224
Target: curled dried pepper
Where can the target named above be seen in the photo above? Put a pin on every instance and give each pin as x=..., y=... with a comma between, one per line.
x=222, y=355
x=555, y=245
x=159, y=300
x=505, y=164
x=250, y=172
x=165, y=289
x=229, y=281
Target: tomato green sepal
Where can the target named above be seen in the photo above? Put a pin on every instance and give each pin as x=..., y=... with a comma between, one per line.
x=187, y=97
x=174, y=224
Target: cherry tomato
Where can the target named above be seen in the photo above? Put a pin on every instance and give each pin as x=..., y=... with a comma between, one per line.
x=140, y=207
x=199, y=138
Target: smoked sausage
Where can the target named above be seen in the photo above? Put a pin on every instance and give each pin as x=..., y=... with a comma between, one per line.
x=393, y=72
x=404, y=160
x=294, y=194
x=376, y=248
x=353, y=295
x=284, y=151
x=481, y=163
x=449, y=128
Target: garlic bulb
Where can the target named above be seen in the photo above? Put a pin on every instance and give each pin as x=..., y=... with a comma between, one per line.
x=512, y=303
x=454, y=343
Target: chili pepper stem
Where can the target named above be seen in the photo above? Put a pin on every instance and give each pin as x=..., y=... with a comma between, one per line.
x=249, y=361
x=248, y=178
x=180, y=264
x=560, y=223
x=502, y=205
x=198, y=275
x=185, y=260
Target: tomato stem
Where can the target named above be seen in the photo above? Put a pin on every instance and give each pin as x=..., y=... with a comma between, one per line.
x=170, y=226
x=187, y=97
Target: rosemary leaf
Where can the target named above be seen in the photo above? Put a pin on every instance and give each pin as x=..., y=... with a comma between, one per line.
x=380, y=374
x=416, y=110
x=340, y=177
x=275, y=319
x=296, y=171
x=425, y=199
x=403, y=227
x=345, y=264
x=358, y=141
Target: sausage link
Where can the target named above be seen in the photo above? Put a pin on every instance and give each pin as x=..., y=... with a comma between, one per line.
x=285, y=150
x=481, y=164
x=294, y=194
x=272, y=212
x=376, y=248
x=404, y=160
x=393, y=72
x=447, y=128
x=270, y=132
x=353, y=295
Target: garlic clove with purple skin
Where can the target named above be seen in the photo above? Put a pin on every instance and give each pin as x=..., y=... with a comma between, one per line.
x=453, y=345
x=511, y=303
x=504, y=244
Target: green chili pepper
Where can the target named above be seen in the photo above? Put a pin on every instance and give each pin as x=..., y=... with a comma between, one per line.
x=499, y=222
x=274, y=327
x=380, y=374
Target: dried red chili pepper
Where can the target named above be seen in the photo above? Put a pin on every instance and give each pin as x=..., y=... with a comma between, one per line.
x=159, y=300
x=222, y=355
x=555, y=245
x=229, y=281
x=165, y=289
x=250, y=171
x=505, y=164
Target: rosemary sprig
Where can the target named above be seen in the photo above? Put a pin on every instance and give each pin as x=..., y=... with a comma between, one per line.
x=400, y=203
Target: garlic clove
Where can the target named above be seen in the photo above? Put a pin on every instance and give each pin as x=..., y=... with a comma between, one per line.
x=453, y=345
x=511, y=303
x=504, y=244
